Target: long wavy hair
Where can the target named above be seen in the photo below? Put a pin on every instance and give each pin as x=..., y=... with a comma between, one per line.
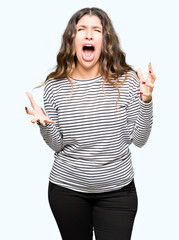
x=112, y=59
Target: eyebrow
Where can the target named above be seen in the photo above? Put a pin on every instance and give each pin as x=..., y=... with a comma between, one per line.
x=84, y=26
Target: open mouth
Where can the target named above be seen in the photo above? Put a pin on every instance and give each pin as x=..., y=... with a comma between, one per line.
x=88, y=50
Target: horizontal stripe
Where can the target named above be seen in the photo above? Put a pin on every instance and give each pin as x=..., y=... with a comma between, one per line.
x=91, y=138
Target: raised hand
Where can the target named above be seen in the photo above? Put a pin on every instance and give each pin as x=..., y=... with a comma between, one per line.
x=146, y=86
x=37, y=112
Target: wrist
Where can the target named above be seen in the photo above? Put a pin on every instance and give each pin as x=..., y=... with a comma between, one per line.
x=146, y=100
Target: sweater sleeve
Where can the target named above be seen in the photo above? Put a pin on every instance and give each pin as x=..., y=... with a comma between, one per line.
x=139, y=115
x=51, y=132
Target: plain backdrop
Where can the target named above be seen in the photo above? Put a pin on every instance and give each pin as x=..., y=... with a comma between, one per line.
x=31, y=32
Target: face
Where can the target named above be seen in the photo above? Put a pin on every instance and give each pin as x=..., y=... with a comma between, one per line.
x=88, y=41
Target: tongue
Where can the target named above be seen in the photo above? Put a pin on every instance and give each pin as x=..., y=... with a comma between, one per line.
x=88, y=52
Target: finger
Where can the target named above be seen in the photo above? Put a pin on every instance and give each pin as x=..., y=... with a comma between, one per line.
x=151, y=73
x=148, y=84
x=49, y=121
x=31, y=99
x=153, y=77
x=146, y=94
x=43, y=123
x=150, y=67
x=28, y=111
x=34, y=120
x=140, y=75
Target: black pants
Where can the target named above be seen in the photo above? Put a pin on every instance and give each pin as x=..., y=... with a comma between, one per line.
x=111, y=214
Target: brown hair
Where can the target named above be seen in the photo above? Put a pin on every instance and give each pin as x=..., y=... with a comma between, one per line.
x=112, y=59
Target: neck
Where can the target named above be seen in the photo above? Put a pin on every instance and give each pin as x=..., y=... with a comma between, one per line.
x=85, y=73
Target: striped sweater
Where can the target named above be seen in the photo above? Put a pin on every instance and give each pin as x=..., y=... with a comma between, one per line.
x=91, y=138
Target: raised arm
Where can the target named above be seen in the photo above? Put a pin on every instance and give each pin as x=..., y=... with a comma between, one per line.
x=146, y=86
x=37, y=112
x=47, y=121
x=140, y=109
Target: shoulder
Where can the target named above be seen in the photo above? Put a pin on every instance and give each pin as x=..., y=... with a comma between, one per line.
x=132, y=77
x=131, y=80
x=131, y=85
x=51, y=85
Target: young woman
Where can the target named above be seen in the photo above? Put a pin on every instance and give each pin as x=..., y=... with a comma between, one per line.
x=95, y=107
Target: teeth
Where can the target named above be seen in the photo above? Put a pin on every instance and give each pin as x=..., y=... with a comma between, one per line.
x=88, y=45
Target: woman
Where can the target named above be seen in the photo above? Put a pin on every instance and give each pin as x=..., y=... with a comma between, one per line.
x=95, y=107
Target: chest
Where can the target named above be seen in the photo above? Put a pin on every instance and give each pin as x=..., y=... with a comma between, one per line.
x=90, y=109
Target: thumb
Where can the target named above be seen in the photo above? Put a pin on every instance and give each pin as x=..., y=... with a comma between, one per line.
x=140, y=75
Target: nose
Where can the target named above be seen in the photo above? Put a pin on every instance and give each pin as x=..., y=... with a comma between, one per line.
x=89, y=34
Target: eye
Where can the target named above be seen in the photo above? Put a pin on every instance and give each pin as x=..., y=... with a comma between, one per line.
x=97, y=30
x=80, y=29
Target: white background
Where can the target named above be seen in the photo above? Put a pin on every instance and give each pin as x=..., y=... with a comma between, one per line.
x=31, y=33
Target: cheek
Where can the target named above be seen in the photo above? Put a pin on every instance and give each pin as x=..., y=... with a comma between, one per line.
x=76, y=46
x=78, y=43
x=100, y=44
